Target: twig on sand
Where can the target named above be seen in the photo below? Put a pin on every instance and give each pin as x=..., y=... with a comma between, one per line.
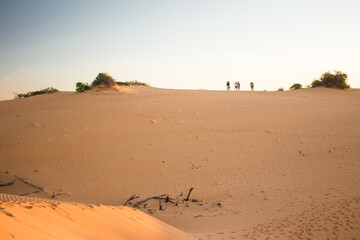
x=177, y=199
x=26, y=182
x=131, y=198
x=25, y=194
x=7, y=184
x=187, y=198
x=54, y=194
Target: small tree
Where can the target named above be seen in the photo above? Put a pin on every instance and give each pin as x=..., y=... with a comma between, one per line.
x=296, y=86
x=281, y=89
x=80, y=86
x=336, y=80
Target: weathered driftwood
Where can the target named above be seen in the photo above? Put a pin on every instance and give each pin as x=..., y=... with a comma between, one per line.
x=7, y=184
x=131, y=198
x=188, y=196
x=147, y=199
x=165, y=197
x=26, y=182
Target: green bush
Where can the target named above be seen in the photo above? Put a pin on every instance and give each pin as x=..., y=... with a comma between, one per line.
x=42, y=91
x=296, y=86
x=316, y=83
x=80, y=87
x=129, y=83
x=280, y=89
x=103, y=79
x=336, y=80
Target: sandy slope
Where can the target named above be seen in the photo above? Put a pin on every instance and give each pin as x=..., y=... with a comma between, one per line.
x=21, y=219
x=263, y=164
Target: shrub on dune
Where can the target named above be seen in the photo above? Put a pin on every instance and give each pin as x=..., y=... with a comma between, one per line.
x=296, y=86
x=336, y=80
x=131, y=83
x=103, y=79
x=42, y=91
x=81, y=87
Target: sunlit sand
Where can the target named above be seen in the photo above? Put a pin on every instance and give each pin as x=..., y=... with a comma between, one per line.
x=279, y=165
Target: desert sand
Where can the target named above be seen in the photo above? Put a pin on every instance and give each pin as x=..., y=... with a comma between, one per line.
x=29, y=219
x=263, y=165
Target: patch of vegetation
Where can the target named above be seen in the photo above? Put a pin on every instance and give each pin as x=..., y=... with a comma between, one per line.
x=103, y=79
x=296, y=86
x=81, y=87
x=132, y=83
x=42, y=91
x=336, y=80
x=281, y=89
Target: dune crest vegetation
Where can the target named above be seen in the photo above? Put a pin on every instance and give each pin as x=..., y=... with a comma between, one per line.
x=42, y=91
x=105, y=79
x=330, y=80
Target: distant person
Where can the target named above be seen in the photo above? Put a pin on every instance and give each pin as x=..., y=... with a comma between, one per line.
x=235, y=84
x=252, y=86
x=227, y=85
x=238, y=83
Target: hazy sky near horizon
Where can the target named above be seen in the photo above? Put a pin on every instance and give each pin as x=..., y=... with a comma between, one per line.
x=187, y=44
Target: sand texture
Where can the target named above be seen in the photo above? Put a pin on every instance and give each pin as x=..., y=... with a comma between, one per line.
x=54, y=220
x=263, y=165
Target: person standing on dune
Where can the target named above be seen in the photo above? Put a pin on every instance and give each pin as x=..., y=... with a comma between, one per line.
x=252, y=86
x=227, y=85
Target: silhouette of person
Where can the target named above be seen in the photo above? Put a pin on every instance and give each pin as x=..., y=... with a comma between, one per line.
x=252, y=86
x=227, y=85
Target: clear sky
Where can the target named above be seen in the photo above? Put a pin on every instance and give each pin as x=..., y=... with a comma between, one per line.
x=184, y=44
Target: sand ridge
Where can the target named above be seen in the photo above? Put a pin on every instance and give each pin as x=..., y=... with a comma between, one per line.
x=24, y=218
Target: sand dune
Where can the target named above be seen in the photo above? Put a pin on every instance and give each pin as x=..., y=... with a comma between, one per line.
x=39, y=219
x=262, y=164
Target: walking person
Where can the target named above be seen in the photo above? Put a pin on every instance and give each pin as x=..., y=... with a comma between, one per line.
x=228, y=85
x=252, y=86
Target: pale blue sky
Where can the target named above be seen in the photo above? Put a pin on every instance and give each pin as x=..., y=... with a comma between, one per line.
x=176, y=44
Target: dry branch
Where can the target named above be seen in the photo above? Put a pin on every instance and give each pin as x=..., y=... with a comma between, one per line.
x=25, y=194
x=26, y=182
x=131, y=198
x=147, y=199
x=160, y=207
x=165, y=197
x=7, y=184
x=178, y=196
x=187, y=198
x=177, y=199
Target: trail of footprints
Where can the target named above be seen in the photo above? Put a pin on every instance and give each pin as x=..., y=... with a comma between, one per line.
x=336, y=220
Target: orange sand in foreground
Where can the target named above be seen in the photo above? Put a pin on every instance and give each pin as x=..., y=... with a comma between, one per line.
x=54, y=220
x=278, y=165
